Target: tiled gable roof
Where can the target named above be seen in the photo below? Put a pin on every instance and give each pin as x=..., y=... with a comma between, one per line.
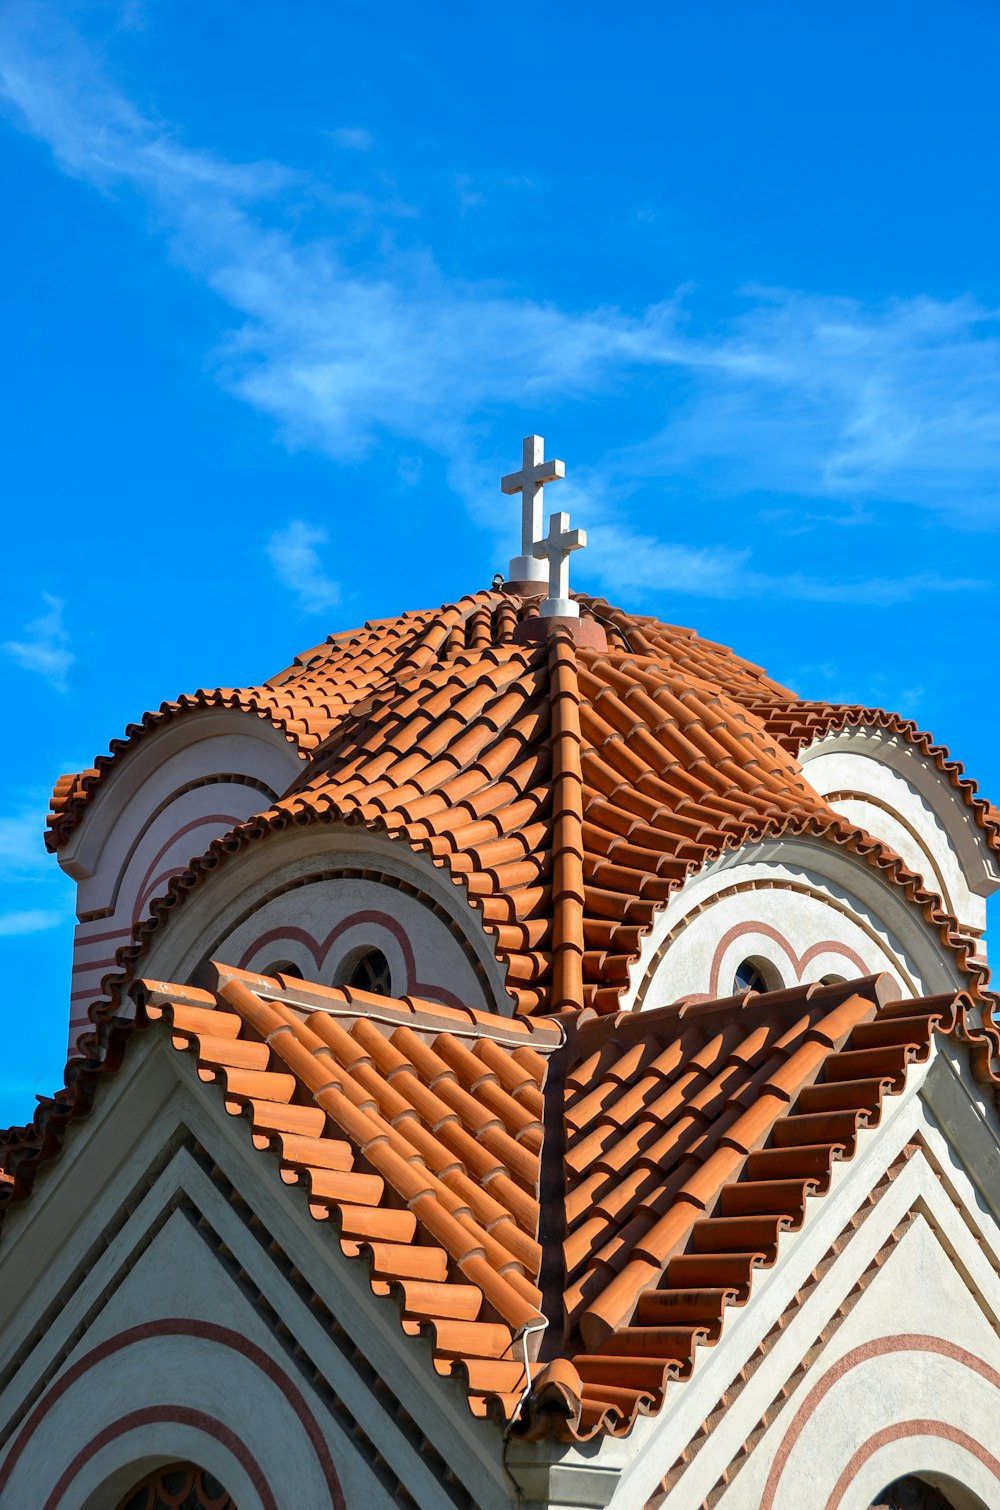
x=669, y=1149
x=568, y=790
x=308, y=699
x=798, y=723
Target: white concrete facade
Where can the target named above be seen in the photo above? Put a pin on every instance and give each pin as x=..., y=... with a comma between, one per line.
x=183, y=784
x=164, y=1295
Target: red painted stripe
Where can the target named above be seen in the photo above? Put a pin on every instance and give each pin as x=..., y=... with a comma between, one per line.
x=320, y=951
x=94, y=964
x=182, y=1327
x=146, y=886
x=798, y=964
x=907, y=1342
x=903, y=1429
x=178, y=1415
x=98, y=938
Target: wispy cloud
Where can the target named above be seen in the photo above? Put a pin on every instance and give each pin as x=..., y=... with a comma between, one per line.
x=816, y=397
x=22, y=850
x=636, y=563
x=353, y=138
x=45, y=646
x=299, y=567
x=34, y=920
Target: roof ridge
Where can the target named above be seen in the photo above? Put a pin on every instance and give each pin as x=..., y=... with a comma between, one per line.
x=566, y=991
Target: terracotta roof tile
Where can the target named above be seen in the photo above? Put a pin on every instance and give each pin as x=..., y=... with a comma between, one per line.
x=569, y=791
x=694, y=1135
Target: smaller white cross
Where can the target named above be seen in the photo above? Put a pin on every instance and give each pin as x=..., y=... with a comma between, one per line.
x=529, y=482
x=556, y=548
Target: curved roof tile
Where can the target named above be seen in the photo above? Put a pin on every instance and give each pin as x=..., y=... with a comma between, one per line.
x=569, y=790
x=689, y=1138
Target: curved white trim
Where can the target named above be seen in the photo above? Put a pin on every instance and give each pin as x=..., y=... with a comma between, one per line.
x=226, y=897
x=196, y=743
x=899, y=938
x=978, y=861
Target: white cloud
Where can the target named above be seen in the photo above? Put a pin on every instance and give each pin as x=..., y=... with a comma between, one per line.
x=813, y=396
x=45, y=648
x=34, y=920
x=299, y=566
x=624, y=561
x=22, y=848
x=353, y=138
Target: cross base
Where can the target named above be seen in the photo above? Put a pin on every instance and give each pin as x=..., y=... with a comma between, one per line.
x=559, y=608
x=527, y=578
x=588, y=633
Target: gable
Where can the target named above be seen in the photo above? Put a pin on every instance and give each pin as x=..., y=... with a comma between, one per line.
x=155, y=1224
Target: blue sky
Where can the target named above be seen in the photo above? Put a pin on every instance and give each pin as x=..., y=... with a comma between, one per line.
x=282, y=290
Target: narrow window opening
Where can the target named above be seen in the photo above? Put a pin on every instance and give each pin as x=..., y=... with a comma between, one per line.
x=282, y=967
x=755, y=974
x=370, y=972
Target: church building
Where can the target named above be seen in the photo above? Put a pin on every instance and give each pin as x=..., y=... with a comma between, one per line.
x=521, y=1056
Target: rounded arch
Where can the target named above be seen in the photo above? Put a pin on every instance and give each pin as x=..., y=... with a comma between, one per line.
x=931, y=1492
x=806, y=907
x=906, y=791
x=113, y=1414
x=177, y=1483
x=930, y=1404
x=310, y=893
x=171, y=759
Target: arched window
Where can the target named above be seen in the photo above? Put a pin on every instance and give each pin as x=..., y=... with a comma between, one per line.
x=282, y=967
x=368, y=970
x=832, y=980
x=910, y=1494
x=178, y=1486
x=755, y=974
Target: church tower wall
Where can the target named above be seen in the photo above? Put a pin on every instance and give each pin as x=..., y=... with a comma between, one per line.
x=186, y=783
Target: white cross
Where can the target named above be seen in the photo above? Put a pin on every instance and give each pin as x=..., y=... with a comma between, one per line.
x=529, y=482
x=556, y=548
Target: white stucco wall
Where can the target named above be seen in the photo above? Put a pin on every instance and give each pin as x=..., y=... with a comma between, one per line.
x=804, y=910
x=184, y=784
x=885, y=785
x=180, y=1365
x=314, y=893
x=909, y=1383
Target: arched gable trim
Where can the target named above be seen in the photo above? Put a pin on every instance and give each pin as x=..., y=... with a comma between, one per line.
x=156, y=1415
x=170, y=1326
x=231, y=894
x=215, y=743
x=74, y=795
x=972, y=826
x=913, y=1342
x=319, y=949
x=856, y=892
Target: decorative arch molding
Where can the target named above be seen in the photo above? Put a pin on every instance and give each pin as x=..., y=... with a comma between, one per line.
x=945, y=1448
x=821, y=956
x=324, y=958
x=114, y=1448
x=821, y=910
x=164, y=764
x=911, y=804
x=265, y=894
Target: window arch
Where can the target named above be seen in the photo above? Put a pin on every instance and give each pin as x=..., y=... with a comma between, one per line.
x=366, y=969
x=910, y=1493
x=755, y=974
x=283, y=967
x=178, y=1486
